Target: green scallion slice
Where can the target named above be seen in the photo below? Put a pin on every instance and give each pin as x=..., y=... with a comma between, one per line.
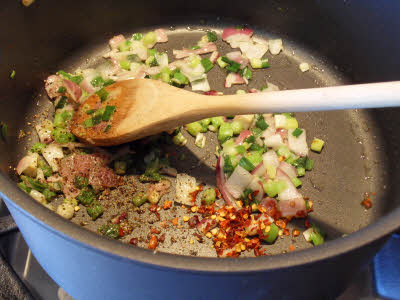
x=297, y=132
x=207, y=64
x=103, y=94
x=108, y=113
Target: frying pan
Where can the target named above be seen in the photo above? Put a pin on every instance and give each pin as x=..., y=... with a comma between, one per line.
x=360, y=154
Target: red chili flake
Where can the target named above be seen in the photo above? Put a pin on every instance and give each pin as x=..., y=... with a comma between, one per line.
x=155, y=230
x=175, y=221
x=307, y=223
x=121, y=232
x=164, y=224
x=291, y=248
x=367, y=203
x=153, y=242
x=153, y=208
x=295, y=232
x=280, y=223
x=133, y=241
x=167, y=204
x=286, y=232
x=195, y=193
x=218, y=194
x=115, y=220
x=123, y=216
x=162, y=238
x=193, y=221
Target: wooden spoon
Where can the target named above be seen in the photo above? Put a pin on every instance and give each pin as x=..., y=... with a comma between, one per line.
x=145, y=107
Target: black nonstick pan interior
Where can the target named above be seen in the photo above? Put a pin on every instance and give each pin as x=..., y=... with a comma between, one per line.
x=351, y=164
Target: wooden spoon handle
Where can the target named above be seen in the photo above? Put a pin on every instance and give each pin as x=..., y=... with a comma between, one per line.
x=371, y=95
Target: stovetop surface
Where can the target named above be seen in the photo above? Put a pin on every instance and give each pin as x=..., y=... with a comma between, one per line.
x=26, y=279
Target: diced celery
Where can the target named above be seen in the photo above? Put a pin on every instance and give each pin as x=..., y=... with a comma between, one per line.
x=272, y=234
x=209, y=196
x=38, y=147
x=297, y=182
x=207, y=64
x=194, y=128
x=255, y=157
x=125, y=46
x=230, y=147
x=271, y=171
x=179, y=139
x=237, y=127
x=274, y=187
x=139, y=199
x=317, y=145
x=200, y=140
x=301, y=171
x=165, y=77
x=125, y=64
x=246, y=164
x=309, y=164
x=225, y=132
x=283, y=151
x=205, y=122
x=62, y=136
x=149, y=39
x=217, y=121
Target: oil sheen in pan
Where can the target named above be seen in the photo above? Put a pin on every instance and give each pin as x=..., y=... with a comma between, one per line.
x=343, y=172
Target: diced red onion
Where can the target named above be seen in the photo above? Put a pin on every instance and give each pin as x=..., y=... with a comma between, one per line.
x=288, y=169
x=52, y=84
x=238, y=182
x=252, y=49
x=214, y=56
x=73, y=90
x=162, y=36
x=210, y=47
x=233, y=78
x=242, y=136
x=237, y=56
x=221, y=183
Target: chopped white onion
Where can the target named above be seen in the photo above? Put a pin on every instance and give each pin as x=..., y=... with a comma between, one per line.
x=52, y=154
x=238, y=181
x=39, y=197
x=304, y=67
x=275, y=46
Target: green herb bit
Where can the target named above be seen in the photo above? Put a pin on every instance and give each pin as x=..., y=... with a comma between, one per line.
x=139, y=199
x=108, y=82
x=24, y=187
x=212, y=36
x=62, y=89
x=38, y=147
x=109, y=111
x=103, y=94
x=74, y=78
x=97, y=81
x=49, y=195
x=108, y=127
x=90, y=111
x=209, y=196
x=95, y=210
x=309, y=164
x=246, y=73
x=246, y=164
x=297, y=132
x=137, y=36
x=207, y=64
x=110, y=230
x=61, y=103
x=86, y=196
x=260, y=123
x=195, y=47
x=81, y=182
x=228, y=167
x=62, y=136
x=257, y=131
x=234, y=67
x=250, y=139
x=35, y=184
x=47, y=170
x=12, y=74
x=125, y=64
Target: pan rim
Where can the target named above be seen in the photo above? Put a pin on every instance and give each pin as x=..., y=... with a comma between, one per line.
x=136, y=255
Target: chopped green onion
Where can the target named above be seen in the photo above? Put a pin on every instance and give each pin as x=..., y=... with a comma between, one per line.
x=137, y=36
x=108, y=127
x=272, y=234
x=228, y=167
x=221, y=63
x=195, y=47
x=62, y=136
x=250, y=139
x=240, y=149
x=47, y=170
x=12, y=74
x=152, y=52
x=234, y=67
x=260, y=123
x=90, y=111
x=62, y=89
x=207, y=64
x=61, y=103
x=49, y=195
x=246, y=73
x=246, y=164
x=108, y=82
x=74, y=78
x=125, y=46
x=256, y=131
x=258, y=63
x=109, y=111
x=297, y=132
x=95, y=210
x=38, y=147
x=24, y=187
x=209, y=196
x=212, y=36
x=225, y=132
x=60, y=119
x=317, y=145
x=180, y=78
x=103, y=94
x=149, y=39
x=126, y=65
x=139, y=199
x=299, y=162
x=86, y=196
x=255, y=157
x=97, y=81
x=283, y=151
x=309, y=164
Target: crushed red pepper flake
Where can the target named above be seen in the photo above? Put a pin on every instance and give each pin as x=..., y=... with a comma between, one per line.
x=153, y=242
x=167, y=204
x=295, y=232
x=367, y=202
x=291, y=248
x=155, y=230
x=195, y=193
x=133, y=241
x=175, y=221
